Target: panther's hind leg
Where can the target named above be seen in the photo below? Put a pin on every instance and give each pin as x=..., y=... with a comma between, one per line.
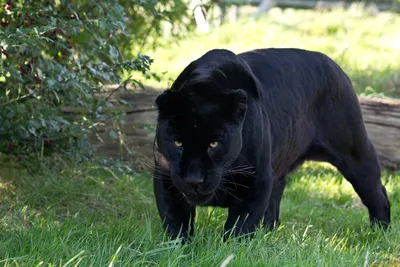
x=363, y=172
x=342, y=140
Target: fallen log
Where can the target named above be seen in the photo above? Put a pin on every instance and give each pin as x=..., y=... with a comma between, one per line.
x=382, y=120
x=381, y=117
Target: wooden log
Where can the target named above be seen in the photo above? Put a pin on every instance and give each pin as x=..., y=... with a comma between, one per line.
x=381, y=117
x=382, y=120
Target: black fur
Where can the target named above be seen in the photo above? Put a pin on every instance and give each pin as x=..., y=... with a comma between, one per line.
x=269, y=110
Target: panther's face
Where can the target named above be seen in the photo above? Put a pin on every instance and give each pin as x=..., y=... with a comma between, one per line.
x=198, y=138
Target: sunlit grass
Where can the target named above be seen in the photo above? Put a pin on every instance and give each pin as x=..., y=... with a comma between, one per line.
x=366, y=46
x=92, y=217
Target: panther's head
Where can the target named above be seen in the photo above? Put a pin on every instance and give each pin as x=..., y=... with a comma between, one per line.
x=199, y=134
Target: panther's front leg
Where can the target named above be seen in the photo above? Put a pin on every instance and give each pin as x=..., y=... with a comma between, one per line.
x=176, y=214
x=246, y=214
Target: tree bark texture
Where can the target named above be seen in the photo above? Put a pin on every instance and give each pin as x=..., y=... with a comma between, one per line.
x=382, y=120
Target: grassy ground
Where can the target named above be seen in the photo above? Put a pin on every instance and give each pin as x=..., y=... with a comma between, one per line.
x=91, y=217
x=366, y=46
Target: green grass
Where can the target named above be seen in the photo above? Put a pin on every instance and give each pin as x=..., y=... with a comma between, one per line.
x=367, y=47
x=93, y=217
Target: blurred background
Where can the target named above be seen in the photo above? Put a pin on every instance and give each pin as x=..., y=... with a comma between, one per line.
x=364, y=38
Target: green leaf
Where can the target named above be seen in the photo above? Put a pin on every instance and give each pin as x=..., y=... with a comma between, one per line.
x=113, y=135
x=114, y=52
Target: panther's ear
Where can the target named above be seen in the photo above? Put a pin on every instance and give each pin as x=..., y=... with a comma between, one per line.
x=163, y=99
x=169, y=102
x=238, y=99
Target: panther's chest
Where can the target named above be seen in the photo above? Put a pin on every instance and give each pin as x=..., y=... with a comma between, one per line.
x=230, y=190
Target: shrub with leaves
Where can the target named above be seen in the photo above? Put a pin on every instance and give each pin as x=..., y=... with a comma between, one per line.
x=57, y=55
x=151, y=19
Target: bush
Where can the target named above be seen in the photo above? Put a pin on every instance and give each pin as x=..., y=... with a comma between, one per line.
x=58, y=54
x=150, y=20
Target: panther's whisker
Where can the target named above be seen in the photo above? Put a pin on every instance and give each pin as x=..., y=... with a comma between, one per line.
x=240, y=155
x=242, y=167
x=169, y=188
x=182, y=197
x=234, y=183
x=229, y=193
x=227, y=188
x=215, y=193
x=237, y=173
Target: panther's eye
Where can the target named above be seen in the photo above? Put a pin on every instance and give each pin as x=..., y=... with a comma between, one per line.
x=213, y=144
x=178, y=144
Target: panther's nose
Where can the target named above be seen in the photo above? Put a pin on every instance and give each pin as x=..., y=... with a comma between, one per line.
x=194, y=180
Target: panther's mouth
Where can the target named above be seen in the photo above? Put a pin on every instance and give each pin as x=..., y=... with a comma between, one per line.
x=198, y=199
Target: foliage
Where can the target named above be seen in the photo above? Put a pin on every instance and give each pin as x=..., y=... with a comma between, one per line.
x=154, y=23
x=60, y=54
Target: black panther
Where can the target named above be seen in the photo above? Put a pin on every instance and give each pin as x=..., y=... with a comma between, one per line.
x=232, y=126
